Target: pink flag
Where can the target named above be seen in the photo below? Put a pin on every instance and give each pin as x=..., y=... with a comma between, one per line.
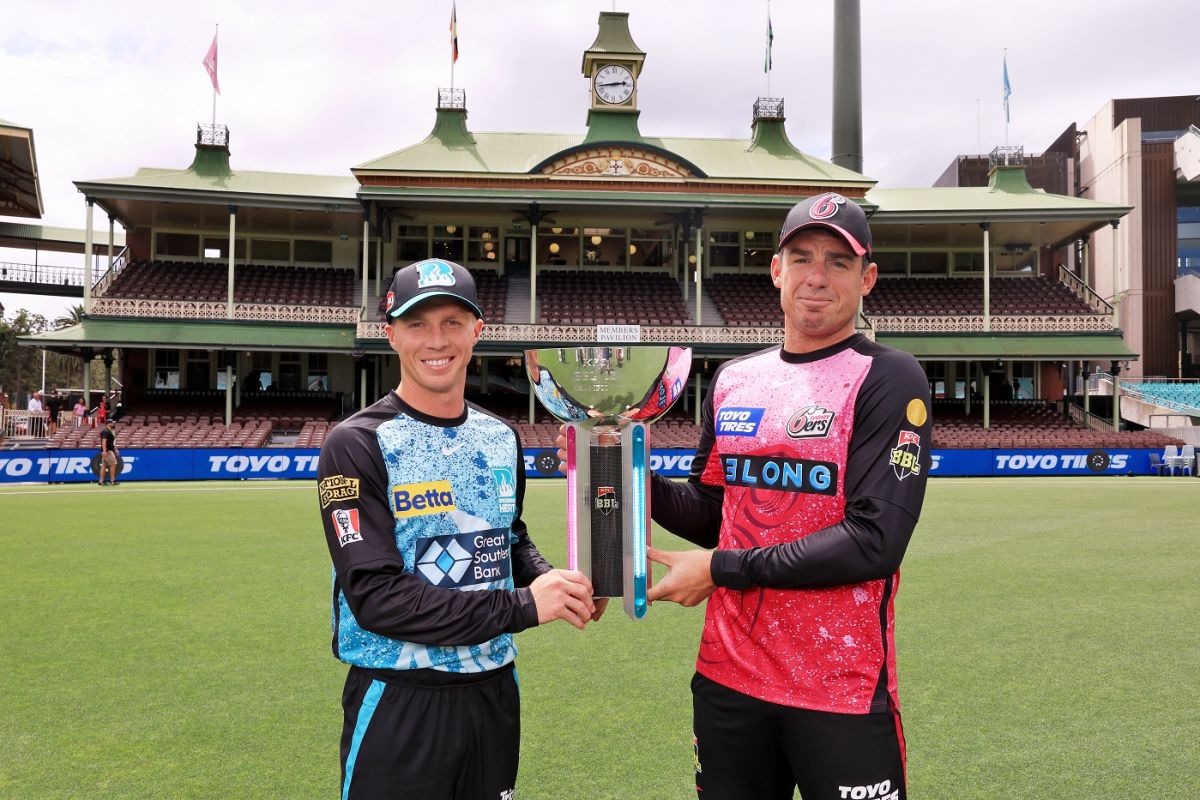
x=210, y=64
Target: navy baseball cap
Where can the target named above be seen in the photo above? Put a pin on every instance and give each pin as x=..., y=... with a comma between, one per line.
x=428, y=279
x=834, y=212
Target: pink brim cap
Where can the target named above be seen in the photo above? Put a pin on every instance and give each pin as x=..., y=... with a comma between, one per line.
x=858, y=249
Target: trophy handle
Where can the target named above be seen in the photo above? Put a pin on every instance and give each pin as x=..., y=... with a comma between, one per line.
x=579, y=478
x=635, y=446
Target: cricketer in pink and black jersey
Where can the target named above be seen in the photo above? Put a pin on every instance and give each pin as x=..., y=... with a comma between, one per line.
x=808, y=479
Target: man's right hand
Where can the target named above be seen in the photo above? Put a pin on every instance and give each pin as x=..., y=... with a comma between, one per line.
x=563, y=594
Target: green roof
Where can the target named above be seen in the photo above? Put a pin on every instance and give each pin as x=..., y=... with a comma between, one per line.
x=1046, y=346
x=19, y=234
x=209, y=334
x=518, y=153
x=1008, y=193
x=277, y=184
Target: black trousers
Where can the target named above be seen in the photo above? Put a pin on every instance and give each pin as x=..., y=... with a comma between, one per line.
x=430, y=735
x=749, y=749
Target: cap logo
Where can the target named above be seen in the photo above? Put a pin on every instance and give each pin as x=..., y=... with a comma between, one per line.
x=434, y=273
x=391, y=298
x=826, y=206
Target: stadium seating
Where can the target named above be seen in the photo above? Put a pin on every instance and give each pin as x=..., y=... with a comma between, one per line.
x=491, y=288
x=253, y=283
x=140, y=432
x=1027, y=425
x=1182, y=394
x=752, y=300
x=575, y=297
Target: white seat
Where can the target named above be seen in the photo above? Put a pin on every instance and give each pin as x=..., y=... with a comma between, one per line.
x=1187, y=458
x=1171, y=457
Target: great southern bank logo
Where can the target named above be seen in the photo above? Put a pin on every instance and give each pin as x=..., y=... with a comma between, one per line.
x=464, y=559
x=434, y=273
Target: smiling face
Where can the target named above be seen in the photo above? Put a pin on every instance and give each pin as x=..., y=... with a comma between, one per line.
x=820, y=282
x=434, y=342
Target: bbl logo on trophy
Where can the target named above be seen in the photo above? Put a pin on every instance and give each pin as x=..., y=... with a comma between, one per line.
x=606, y=499
x=607, y=396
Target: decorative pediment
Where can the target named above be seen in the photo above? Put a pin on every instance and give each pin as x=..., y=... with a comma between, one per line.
x=617, y=162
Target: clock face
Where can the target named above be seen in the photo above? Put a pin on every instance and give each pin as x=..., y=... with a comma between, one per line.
x=613, y=84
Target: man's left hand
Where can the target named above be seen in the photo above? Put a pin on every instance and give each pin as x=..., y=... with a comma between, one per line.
x=689, y=576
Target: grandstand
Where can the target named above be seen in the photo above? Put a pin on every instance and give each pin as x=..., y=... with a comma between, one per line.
x=253, y=283
x=268, y=284
x=1025, y=425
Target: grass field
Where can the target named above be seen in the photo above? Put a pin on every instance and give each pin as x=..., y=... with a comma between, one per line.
x=172, y=641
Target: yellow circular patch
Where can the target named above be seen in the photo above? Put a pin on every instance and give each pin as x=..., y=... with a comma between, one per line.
x=916, y=412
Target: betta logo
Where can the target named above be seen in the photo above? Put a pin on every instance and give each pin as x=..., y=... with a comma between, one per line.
x=606, y=500
x=828, y=206
x=813, y=422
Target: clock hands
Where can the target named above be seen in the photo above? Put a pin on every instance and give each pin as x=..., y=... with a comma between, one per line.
x=614, y=83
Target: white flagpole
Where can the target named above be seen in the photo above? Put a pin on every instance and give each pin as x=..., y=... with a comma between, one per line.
x=769, y=33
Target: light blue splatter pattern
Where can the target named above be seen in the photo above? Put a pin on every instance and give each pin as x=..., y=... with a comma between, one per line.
x=470, y=456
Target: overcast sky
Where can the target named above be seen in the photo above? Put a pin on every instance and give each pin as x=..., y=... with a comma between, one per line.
x=312, y=87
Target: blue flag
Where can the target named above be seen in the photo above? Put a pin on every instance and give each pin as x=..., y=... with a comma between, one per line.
x=1007, y=86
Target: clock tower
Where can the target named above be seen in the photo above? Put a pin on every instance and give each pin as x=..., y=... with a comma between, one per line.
x=612, y=66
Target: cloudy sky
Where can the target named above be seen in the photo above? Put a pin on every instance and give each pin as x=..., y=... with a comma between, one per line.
x=319, y=87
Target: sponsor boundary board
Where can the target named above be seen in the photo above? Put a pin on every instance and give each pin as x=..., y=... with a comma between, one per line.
x=79, y=466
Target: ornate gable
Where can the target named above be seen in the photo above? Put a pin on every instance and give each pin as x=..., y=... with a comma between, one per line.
x=616, y=161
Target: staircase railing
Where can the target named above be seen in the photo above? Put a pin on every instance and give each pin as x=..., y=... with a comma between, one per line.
x=1084, y=292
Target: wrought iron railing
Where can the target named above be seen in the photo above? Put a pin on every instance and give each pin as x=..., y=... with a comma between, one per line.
x=203, y=309
x=452, y=98
x=212, y=134
x=1007, y=156
x=768, y=108
x=41, y=273
x=973, y=323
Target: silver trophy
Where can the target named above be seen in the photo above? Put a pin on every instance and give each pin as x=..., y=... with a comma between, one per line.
x=607, y=396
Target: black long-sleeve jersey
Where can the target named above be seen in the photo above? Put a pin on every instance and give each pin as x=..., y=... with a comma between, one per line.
x=422, y=516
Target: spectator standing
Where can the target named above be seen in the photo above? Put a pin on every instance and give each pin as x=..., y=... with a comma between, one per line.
x=80, y=412
x=54, y=405
x=36, y=409
x=109, y=453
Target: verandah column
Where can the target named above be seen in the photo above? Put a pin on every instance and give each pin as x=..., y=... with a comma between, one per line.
x=87, y=259
x=232, y=260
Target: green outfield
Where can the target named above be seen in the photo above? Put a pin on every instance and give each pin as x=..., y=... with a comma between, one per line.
x=172, y=640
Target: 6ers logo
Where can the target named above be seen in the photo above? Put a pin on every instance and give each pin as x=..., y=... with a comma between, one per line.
x=813, y=422
x=606, y=499
x=391, y=298
x=827, y=206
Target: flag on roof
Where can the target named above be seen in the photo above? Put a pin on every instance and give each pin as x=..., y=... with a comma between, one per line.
x=770, y=41
x=1007, y=86
x=210, y=64
x=453, y=33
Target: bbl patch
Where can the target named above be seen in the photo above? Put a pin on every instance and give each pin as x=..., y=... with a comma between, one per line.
x=421, y=499
x=739, y=421
x=345, y=524
x=464, y=559
x=811, y=422
x=434, y=273
x=906, y=455
x=337, y=487
x=506, y=489
x=606, y=500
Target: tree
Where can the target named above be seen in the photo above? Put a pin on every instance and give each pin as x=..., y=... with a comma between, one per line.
x=20, y=367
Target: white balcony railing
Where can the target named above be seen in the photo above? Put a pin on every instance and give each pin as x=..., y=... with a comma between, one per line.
x=246, y=312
